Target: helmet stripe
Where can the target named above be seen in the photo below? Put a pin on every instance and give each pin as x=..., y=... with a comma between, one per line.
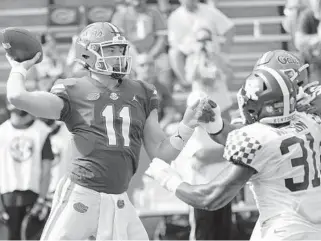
x=263, y=58
x=115, y=30
x=283, y=86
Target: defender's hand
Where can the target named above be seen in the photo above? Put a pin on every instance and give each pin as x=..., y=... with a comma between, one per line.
x=25, y=64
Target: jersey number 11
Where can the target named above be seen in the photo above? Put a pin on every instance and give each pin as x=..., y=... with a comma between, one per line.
x=109, y=116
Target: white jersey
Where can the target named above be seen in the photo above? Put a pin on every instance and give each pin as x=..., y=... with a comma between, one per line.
x=287, y=162
x=21, y=156
x=60, y=143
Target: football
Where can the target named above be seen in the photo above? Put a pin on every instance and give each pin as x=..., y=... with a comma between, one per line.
x=20, y=44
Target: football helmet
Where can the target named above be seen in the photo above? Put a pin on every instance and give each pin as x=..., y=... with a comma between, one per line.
x=93, y=43
x=286, y=62
x=268, y=96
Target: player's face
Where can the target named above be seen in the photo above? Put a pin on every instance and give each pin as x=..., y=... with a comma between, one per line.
x=117, y=53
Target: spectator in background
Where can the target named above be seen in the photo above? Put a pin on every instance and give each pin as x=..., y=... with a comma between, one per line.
x=146, y=72
x=52, y=66
x=60, y=139
x=25, y=163
x=208, y=72
x=181, y=27
x=145, y=28
x=308, y=38
x=292, y=11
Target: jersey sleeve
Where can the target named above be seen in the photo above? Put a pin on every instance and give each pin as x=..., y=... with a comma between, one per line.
x=60, y=88
x=152, y=101
x=244, y=149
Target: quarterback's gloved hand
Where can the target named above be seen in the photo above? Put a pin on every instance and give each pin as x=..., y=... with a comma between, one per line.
x=215, y=124
x=162, y=172
x=40, y=209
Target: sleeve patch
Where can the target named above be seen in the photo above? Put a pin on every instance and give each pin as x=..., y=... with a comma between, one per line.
x=241, y=147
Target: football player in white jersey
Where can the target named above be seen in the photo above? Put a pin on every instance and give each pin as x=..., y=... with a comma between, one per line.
x=278, y=151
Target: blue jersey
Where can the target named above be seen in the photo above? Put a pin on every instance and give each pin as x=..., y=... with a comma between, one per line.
x=107, y=128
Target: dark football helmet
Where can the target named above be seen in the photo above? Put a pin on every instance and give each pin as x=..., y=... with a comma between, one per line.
x=287, y=63
x=91, y=46
x=268, y=96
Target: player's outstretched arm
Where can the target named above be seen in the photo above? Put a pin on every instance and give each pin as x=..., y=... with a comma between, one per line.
x=158, y=144
x=214, y=195
x=38, y=103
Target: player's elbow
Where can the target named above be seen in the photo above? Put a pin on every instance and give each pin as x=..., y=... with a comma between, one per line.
x=16, y=99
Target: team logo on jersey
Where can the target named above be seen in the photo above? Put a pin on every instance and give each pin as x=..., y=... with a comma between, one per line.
x=6, y=45
x=135, y=98
x=21, y=148
x=113, y=96
x=93, y=96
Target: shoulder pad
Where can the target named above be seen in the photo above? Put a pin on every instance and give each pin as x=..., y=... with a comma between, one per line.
x=67, y=82
x=147, y=86
x=241, y=146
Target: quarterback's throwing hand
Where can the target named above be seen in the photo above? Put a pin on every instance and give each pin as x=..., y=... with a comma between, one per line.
x=162, y=172
x=25, y=64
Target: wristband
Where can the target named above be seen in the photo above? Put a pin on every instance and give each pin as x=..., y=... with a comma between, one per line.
x=19, y=69
x=182, y=135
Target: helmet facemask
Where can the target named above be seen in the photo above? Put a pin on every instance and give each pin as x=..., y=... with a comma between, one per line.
x=121, y=64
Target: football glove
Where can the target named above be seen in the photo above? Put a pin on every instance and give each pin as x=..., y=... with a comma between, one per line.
x=214, y=124
x=164, y=174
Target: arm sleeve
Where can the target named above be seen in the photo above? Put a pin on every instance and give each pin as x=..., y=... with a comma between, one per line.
x=47, y=153
x=243, y=149
x=60, y=90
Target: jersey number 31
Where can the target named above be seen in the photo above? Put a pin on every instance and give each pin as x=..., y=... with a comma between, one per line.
x=301, y=161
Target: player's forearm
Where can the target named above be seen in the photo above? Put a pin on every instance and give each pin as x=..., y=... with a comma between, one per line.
x=15, y=86
x=200, y=196
x=171, y=146
x=38, y=103
x=221, y=137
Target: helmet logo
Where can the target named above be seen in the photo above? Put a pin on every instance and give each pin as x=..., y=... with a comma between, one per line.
x=269, y=109
x=113, y=96
x=287, y=60
x=95, y=33
x=94, y=47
